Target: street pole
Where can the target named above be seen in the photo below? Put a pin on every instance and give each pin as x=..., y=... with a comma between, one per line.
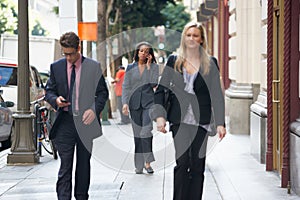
x=23, y=149
x=79, y=19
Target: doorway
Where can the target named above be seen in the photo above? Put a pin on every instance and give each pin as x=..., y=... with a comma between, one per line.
x=277, y=84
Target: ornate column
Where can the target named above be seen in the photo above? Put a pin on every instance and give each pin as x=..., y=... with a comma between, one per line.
x=244, y=63
x=23, y=148
x=269, y=154
x=258, y=110
x=295, y=154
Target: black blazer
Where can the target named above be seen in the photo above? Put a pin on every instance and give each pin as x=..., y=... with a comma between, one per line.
x=208, y=95
x=137, y=89
x=93, y=94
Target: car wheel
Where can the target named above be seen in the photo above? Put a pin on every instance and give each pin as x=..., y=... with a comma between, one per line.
x=7, y=143
x=12, y=136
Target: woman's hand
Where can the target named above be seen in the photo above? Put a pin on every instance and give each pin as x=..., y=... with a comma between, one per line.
x=125, y=109
x=221, y=131
x=161, y=124
x=149, y=61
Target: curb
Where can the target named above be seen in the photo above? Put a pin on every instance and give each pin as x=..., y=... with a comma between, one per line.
x=3, y=157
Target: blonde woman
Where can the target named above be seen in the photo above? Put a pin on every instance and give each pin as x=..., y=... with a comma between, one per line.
x=191, y=78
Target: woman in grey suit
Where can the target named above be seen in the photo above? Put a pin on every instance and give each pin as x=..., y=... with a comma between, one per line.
x=193, y=82
x=137, y=97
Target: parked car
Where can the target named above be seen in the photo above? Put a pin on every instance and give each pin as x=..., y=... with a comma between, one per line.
x=6, y=122
x=9, y=95
x=8, y=82
x=44, y=76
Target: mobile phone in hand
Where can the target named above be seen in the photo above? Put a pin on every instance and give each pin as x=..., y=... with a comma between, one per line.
x=146, y=60
x=64, y=101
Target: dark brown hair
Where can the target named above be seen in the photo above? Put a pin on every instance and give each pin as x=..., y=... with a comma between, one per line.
x=69, y=40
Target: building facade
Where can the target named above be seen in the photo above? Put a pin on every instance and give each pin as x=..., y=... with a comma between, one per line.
x=257, y=44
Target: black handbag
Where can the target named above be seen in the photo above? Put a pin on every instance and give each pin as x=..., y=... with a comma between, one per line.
x=168, y=94
x=167, y=98
x=212, y=130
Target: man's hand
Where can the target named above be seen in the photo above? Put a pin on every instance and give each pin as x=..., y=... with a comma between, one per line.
x=161, y=124
x=88, y=117
x=62, y=102
x=115, y=81
x=125, y=109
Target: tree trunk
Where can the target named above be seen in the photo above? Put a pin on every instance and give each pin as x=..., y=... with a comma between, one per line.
x=101, y=43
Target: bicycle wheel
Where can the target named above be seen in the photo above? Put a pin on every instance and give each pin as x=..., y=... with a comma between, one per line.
x=37, y=127
x=54, y=150
x=47, y=143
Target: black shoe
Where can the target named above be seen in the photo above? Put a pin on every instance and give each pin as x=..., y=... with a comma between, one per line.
x=138, y=171
x=149, y=170
x=123, y=123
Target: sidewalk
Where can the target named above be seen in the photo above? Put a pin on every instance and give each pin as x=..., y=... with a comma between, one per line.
x=231, y=172
x=239, y=176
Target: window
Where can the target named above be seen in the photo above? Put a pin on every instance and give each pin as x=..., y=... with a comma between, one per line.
x=8, y=76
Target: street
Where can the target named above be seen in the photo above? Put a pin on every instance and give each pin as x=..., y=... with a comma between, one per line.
x=231, y=172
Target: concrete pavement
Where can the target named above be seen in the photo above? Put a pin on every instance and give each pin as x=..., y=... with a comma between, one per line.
x=231, y=172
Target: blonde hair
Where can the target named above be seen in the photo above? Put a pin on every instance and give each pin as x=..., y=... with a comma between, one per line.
x=204, y=57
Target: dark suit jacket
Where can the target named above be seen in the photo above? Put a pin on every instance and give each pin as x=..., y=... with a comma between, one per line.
x=208, y=95
x=138, y=89
x=93, y=94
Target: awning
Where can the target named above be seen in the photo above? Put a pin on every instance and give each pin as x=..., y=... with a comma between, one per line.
x=211, y=4
x=201, y=18
x=88, y=31
x=206, y=10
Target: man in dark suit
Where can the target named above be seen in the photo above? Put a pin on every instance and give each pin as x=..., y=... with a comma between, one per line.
x=77, y=90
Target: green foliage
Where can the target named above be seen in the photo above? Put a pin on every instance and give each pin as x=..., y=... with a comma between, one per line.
x=8, y=16
x=134, y=15
x=176, y=18
x=55, y=10
x=137, y=13
x=9, y=20
x=38, y=29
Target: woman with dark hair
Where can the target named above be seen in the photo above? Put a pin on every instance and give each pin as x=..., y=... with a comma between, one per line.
x=192, y=80
x=141, y=78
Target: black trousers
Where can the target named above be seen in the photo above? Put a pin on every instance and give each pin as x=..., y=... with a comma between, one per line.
x=190, y=149
x=142, y=127
x=66, y=141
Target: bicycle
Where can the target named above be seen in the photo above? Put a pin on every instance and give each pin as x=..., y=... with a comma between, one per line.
x=42, y=127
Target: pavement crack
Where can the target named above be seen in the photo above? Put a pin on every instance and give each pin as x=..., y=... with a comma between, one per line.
x=164, y=173
x=123, y=163
x=121, y=185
